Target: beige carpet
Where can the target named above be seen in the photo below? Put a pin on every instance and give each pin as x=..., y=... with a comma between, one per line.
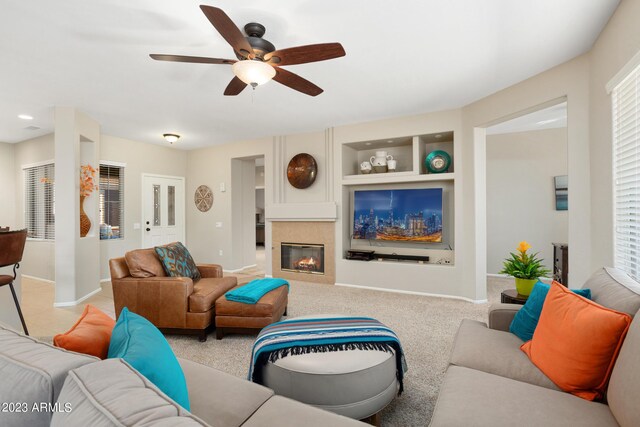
x=426, y=327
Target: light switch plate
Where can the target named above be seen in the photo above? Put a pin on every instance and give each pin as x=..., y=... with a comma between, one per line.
x=222, y=187
x=136, y=226
x=218, y=225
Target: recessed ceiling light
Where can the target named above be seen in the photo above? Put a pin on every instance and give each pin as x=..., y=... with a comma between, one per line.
x=368, y=143
x=390, y=141
x=25, y=117
x=438, y=136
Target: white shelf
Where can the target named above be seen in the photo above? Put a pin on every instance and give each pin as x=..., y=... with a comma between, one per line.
x=395, y=177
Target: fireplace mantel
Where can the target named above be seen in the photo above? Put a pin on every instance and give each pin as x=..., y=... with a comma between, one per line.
x=325, y=211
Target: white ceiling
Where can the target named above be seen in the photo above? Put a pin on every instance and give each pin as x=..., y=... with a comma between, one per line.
x=403, y=58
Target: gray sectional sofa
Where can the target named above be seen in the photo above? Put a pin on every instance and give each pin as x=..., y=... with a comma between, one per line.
x=42, y=385
x=491, y=382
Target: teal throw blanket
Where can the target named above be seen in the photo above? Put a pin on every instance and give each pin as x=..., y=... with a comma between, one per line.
x=254, y=290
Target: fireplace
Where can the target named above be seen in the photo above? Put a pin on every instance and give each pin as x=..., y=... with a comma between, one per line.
x=302, y=258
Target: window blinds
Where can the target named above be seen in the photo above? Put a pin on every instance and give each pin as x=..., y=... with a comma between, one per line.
x=111, y=187
x=626, y=173
x=39, y=201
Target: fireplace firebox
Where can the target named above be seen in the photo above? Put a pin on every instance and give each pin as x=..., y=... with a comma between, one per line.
x=302, y=258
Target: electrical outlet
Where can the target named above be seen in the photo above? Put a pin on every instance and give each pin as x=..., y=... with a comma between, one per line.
x=218, y=225
x=220, y=252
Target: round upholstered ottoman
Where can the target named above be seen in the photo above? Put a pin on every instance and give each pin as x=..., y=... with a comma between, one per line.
x=353, y=383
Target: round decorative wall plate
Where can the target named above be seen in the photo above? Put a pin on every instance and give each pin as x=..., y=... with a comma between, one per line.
x=437, y=161
x=302, y=170
x=203, y=198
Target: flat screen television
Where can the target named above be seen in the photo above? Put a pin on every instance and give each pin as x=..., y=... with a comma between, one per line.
x=411, y=215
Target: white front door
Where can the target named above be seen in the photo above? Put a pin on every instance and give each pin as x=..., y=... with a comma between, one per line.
x=163, y=210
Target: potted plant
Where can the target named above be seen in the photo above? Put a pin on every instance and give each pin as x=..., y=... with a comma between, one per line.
x=525, y=268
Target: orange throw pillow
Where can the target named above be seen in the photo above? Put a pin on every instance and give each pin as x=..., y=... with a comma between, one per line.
x=576, y=342
x=90, y=335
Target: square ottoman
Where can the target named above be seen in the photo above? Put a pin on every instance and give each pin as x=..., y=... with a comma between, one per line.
x=237, y=317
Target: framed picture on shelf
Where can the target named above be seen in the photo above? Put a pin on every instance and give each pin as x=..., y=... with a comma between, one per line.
x=561, y=184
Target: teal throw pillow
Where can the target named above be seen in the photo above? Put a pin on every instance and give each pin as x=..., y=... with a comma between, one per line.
x=142, y=345
x=526, y=319
x=177, y=261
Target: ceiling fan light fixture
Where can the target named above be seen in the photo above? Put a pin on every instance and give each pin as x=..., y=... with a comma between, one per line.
x=171, y=137
x=253, y=72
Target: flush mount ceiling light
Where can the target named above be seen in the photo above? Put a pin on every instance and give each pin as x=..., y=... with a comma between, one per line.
x=171, y=137
x=254, y=72
x=25, y=117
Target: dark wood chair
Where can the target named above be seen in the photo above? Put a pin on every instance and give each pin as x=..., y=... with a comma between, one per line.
x=11, y=249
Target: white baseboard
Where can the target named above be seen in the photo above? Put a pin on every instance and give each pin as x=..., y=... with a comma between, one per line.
x=240, y=269
x=426, y=294
x=40, y=279
x=108, y=279
x=72, y=303
x=268, y=276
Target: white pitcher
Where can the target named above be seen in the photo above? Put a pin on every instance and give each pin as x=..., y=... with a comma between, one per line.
x=380, y=159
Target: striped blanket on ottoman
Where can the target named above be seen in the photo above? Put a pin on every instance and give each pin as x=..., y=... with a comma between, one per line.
x=319, y=335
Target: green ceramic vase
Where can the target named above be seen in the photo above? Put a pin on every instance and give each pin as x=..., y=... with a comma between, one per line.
x=524, y=286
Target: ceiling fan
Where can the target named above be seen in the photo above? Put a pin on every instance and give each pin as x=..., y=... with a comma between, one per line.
x=258, y=60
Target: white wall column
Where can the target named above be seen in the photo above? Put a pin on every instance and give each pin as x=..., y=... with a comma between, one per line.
x=76, y=142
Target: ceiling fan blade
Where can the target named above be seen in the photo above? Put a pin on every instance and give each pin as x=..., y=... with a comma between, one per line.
x=304, y=54
x=296, y=82
x=228, y=30
x=234, y=87
x=192, y=59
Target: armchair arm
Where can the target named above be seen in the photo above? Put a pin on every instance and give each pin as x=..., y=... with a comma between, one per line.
x=164, y=301
x=210, y=270
x=501, y=315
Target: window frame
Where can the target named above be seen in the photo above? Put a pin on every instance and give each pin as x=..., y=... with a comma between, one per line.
x=101, y=197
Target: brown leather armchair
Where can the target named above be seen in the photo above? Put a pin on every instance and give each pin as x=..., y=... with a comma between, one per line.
x=176, y=305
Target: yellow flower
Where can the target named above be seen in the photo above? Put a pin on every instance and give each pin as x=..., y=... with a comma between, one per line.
x=523, y=247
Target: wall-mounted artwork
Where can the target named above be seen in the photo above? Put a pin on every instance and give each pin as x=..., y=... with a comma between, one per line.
x=562, y=192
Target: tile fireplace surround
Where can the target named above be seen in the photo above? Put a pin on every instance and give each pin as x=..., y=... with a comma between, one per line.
x=306, y=232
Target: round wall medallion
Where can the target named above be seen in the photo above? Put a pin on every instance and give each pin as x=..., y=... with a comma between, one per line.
x=302, y=170
x=438, y=161
x=203, y=198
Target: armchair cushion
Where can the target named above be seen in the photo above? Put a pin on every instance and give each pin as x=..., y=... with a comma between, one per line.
x=207, y=290
x=144, y=263
x=177, y=261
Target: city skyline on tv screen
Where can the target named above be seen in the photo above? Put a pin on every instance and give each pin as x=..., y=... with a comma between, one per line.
x=412, y=215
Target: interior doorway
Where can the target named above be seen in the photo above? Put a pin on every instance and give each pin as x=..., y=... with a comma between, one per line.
x=163, y=205
x=260, y=217
x=520, y=161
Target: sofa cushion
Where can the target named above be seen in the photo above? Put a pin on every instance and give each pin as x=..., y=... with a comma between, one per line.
x=32, y=372
x=112, y=393
x=177, y=261
x=144, y=263
x=142, y=345
x=495, y=352
x=91, y=334
x=236, y=398
x=473, y=398
x=526, y=319
x=282, y=412
x=624, y=386
x=576, y=342
x=615, y=289
x=207, y=290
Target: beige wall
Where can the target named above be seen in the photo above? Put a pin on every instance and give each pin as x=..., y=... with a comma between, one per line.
x=139, y=158
x=617, y=44
x=521, y=194
x=8, y=314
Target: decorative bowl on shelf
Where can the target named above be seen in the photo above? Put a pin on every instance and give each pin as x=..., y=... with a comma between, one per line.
x=437, y=161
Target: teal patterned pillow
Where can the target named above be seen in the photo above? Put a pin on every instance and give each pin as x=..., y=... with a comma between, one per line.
x=177, y=261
